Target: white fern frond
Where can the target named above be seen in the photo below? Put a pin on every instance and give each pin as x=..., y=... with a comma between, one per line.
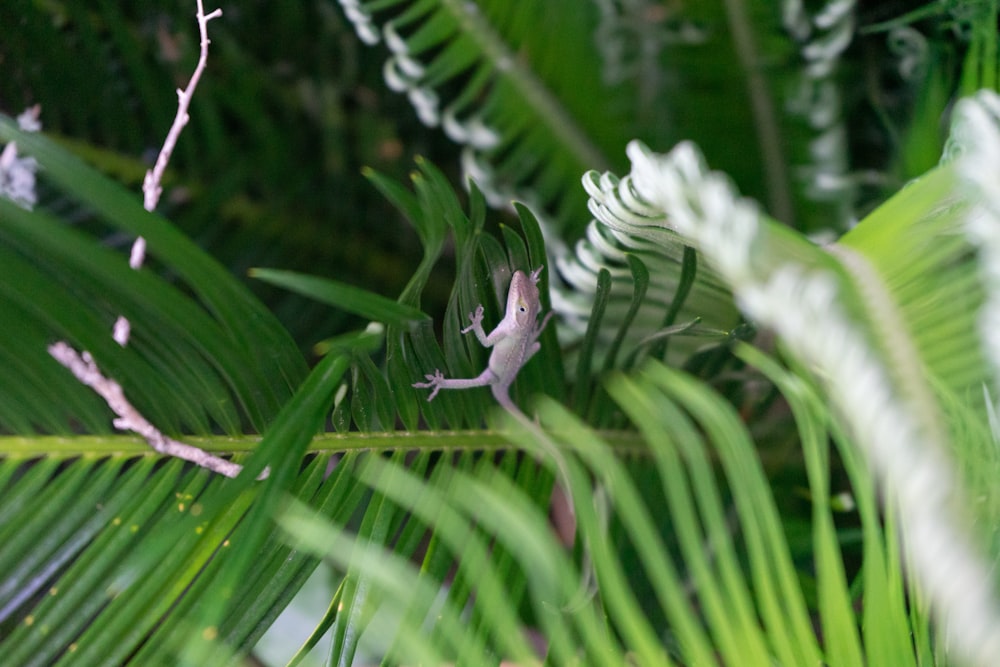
x=17, y=173
x=974, y=146
x=629, y=225
x=814, y=98
x=463, y=68
x=783, y=282
x=604, y=248
x=632, y=35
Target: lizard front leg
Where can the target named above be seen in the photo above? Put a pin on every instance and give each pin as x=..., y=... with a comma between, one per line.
x=477, y=326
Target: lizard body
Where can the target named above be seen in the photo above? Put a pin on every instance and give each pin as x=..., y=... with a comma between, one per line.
x=514, y=342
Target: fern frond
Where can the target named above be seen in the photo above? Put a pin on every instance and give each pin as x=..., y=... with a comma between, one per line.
x=706, y=300
x=532, y=102
x=810, y=186
x=501, y=81
x=852, y=312
x=661, y=505
x=223, y=380
x=823, y=189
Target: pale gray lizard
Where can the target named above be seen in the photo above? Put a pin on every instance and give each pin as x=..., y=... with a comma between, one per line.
x=514, y=342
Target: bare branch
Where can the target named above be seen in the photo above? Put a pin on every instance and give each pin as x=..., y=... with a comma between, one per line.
x=83, y=365
x=151, y=187
x=86, y=371
x=151, y=184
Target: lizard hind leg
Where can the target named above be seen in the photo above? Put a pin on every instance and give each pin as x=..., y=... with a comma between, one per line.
x=438, y=381
x=435, y=379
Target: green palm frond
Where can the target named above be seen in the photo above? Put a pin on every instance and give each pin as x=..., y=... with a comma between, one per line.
x=886, y=316
x=61, y=283
x=172, y=553
x=708, y=520
x=131, y=544
x=102, y=539
x=504, y=81
x=534, y=91
x=730, y=587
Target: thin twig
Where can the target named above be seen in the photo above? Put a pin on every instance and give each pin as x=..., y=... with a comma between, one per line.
x=151, y=188
x=86, y=371
x=83, y=366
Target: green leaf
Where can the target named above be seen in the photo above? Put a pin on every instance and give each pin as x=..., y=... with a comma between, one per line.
x=190, y=356
x=520, y=119
x=584, y=390
x=228, y=301
x=347, y=297
x=843, y=644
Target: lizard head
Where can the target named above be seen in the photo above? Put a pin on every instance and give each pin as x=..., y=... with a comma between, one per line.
x=522, y=298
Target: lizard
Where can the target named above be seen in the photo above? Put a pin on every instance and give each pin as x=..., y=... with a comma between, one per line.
x=514, y=342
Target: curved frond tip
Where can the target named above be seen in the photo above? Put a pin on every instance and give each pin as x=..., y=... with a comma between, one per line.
x=497, y=86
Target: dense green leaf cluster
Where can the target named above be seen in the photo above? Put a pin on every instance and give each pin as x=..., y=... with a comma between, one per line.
x=751, y=444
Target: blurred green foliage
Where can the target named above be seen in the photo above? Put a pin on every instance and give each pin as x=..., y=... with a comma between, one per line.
x=293, y=105
x=267, y=173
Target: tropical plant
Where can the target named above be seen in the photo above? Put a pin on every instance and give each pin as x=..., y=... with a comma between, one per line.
x=753, y=445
